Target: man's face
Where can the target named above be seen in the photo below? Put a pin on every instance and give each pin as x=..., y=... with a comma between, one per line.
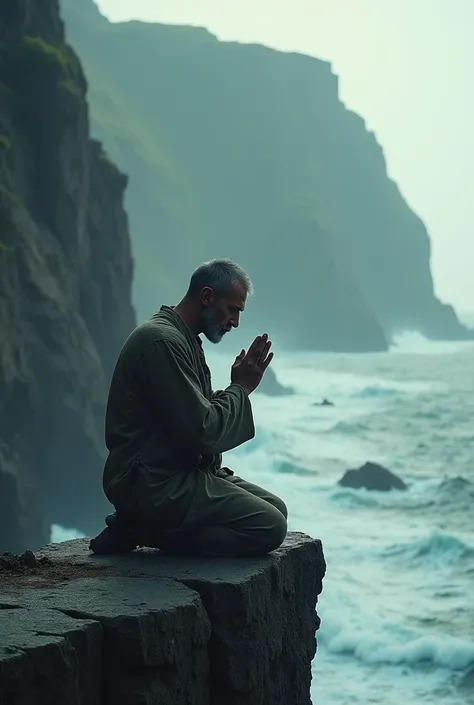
x=221, y=312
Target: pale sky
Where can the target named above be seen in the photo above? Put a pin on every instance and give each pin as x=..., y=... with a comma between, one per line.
x=406, y=66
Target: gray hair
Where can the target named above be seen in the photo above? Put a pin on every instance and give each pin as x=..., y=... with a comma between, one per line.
x=219, y=274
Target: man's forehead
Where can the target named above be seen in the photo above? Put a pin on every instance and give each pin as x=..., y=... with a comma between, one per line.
x=238, y=294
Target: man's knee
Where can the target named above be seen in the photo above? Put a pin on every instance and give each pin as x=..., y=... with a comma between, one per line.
x=274, y=534
x=281, y=506
x=279, y=531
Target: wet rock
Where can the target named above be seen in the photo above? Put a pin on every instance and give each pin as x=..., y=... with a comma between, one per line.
x=372, y=477
x=272, y=387
x=324, y=402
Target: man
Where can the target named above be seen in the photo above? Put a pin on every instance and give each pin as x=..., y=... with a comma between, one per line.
x=166, y=430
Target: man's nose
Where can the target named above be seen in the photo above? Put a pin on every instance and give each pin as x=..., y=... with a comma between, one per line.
x=234, y=321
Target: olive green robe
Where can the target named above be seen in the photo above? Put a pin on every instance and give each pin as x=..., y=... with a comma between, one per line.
x=166, y=431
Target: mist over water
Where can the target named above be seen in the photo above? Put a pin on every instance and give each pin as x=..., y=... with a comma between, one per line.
x=397, y=610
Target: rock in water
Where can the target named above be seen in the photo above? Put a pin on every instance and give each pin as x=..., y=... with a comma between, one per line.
x=272, y=387
x=372, y=477
x=324, y=402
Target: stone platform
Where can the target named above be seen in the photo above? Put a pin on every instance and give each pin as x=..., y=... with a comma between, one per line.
x=146, y=629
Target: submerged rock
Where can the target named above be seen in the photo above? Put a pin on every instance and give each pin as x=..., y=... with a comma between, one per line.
x=372, y=477
x=324, y=402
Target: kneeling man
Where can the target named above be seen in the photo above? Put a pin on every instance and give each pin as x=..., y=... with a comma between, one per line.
x=166, y=430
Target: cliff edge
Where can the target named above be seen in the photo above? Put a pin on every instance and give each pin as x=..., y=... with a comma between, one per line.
x=145, y=628
x=65, y=282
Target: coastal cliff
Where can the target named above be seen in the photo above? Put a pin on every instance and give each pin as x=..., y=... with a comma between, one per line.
x=65, y=283
x=143, y=628
x=239, y=150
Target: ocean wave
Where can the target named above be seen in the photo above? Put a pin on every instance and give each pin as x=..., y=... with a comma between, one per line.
x=352, y=499
x=392, y=647
x=374, y=392
x=60, y=533
x=419, y=498
x=415, y=343
x=438, y=549
x=287, y=467
x=263, y=440
x=453, y=487
x=453, y=497
x=348, y=429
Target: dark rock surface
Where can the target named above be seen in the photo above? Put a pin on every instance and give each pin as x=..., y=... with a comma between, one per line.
x=48, y=657
x=21, y=565
x=324, y=402
x=272, y=387
x=372, y=477
x=167, y=630
x=155, y=635
x=65, y=283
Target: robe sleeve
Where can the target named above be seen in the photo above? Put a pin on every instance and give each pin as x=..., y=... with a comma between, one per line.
x=174, y=390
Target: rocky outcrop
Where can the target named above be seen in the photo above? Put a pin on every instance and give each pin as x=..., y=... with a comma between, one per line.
x=65, y=282
x=242, y=151
x=372, y=477
x=151, y=629
x=271, y=387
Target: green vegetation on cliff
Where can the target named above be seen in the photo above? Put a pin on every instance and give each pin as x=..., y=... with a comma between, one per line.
x=65, y=283
x=35, y=63
x=238, y=150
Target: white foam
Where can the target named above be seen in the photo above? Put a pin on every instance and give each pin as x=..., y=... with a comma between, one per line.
x=438, y=549
x=60, y=534
x=389, y=647
x=413, y=342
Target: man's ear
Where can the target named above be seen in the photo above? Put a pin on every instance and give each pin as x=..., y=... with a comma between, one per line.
x=207, y=296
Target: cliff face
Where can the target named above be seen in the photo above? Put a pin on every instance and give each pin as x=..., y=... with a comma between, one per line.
x=243, y=151
x=65, y=281
x=385, y=241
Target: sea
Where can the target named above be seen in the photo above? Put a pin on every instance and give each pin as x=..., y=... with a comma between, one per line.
x=397, y=608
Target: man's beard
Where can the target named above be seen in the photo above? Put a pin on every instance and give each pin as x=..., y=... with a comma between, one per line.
x=212, y=329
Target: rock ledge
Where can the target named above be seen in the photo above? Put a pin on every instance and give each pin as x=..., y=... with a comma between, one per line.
x=143, y=628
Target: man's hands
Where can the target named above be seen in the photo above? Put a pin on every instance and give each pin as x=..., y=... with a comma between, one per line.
x=249, y=368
